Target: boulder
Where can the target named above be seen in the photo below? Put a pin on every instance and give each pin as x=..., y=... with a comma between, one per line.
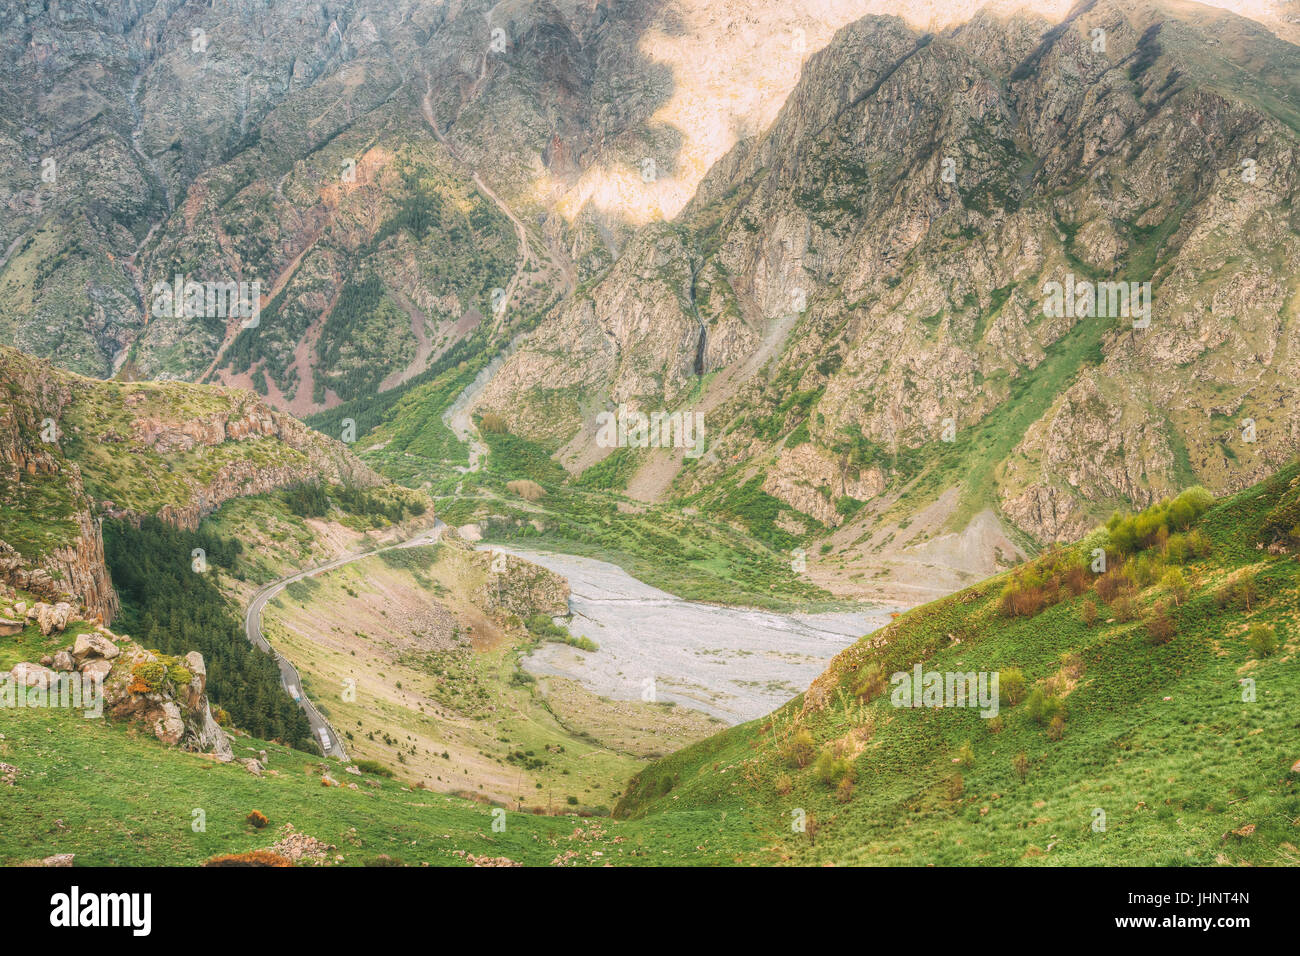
x=98, y=668
x=168, y=725
x=63, y=662
x=94, y=645
x=198, y=680
x=252, y=766
x=10, y=627
x=31, y=675
x=53, y=618
x=20, y=609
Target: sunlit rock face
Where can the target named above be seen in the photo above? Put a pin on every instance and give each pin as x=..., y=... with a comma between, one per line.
x=154, y=138
x=877, y=260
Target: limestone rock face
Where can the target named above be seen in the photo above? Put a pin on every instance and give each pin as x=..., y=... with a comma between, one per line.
x=809, y=481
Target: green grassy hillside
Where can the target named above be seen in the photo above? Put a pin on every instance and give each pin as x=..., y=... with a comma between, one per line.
x=1161, y=733
x=1142, y=720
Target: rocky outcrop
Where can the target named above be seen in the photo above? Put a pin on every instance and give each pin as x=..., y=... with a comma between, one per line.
x=808, y=480
x=196, y=447
x=166, y=696
x=64, y=560
x=520, y=587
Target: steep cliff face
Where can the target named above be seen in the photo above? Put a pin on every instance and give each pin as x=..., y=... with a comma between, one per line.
x=887, y=249
x=74, y=449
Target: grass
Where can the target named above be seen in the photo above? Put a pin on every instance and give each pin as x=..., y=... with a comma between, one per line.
x=116, y=797
x=1158, y=738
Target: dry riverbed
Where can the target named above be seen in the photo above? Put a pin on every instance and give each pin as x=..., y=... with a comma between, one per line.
x=734, y=664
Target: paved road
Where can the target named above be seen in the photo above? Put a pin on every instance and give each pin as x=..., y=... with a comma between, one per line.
x=288, y=673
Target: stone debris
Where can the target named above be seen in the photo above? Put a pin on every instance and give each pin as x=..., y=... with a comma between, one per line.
x=301, y=848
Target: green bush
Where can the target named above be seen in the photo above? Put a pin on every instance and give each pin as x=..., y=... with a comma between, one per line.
x=1011, y=686
x=830, y=769
x=799, y=750
x=1042, y=706
x=1261, y=640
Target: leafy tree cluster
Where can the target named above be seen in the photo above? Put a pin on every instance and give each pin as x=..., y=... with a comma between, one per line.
x=169, y=606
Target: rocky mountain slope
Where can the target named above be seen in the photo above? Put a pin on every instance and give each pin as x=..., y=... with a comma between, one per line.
x=361, y=161
x=858, y=297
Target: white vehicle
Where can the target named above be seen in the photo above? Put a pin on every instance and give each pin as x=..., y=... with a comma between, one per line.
x=293, y=692
x=324, y=738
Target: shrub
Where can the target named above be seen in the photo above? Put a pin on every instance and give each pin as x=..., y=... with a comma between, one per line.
x=1153, y=526
x=1160, y=626
x=1042, y=706
x=870, y=681
x=1147, y=570
x=1175, y=582
x=1182, y=548
x=526, y=488
x=783, y=784
x=1113, y=583
x=1088, y=612
x=1022, y=599
x=256, y=819
x=800, y=749
x=966, y=754
x=373, y=767
x=830, y=769
x=494, y=423
x=1020, y=764
x=1011, y=686
x=1076, y=580
x=1261, y=640
x=1124, y=609
x=1056, y=729
x=844, y=790
x=1239, y=594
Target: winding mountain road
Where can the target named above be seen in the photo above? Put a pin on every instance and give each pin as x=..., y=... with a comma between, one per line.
x=289, y=677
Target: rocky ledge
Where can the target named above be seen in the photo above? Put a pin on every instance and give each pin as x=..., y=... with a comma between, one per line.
x=166, y=695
